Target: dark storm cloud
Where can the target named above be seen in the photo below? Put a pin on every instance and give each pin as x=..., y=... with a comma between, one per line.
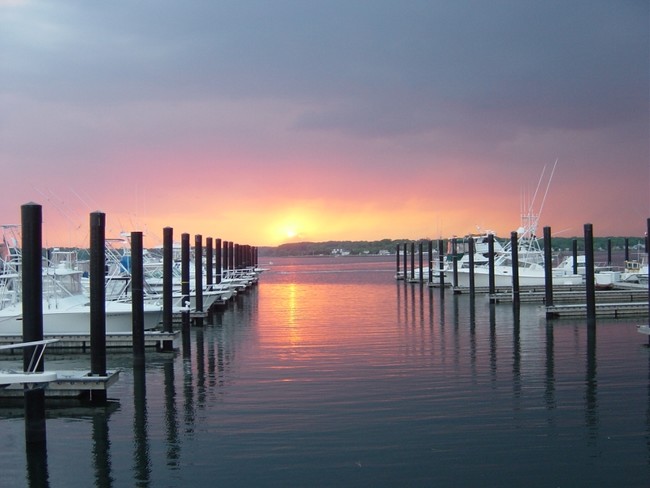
x=364, y=67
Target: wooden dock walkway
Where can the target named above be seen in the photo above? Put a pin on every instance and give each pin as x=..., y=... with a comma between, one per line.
x=123, y=340
x=614, y=310
x=68, y=384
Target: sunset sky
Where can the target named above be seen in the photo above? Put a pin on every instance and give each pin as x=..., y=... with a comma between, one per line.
x=263, y=122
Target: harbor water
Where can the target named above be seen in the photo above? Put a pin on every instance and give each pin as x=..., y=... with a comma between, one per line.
x=331, y=373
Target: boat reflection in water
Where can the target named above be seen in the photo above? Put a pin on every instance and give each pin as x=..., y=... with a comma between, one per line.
x=330, y=373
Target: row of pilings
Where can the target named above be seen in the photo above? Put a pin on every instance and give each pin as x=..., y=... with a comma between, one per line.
x=223, y=258
x=443, y=271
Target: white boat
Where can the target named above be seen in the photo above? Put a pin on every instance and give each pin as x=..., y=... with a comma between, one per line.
x=530, y=257
x=66, y=308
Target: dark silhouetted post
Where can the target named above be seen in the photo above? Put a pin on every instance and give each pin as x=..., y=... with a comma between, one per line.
x=405, y=265
x=397, y=275
x=32, y=276
x=609, y=252
x=137, y=298
x=441, y=263
x=472, y=287
x=98, y=300
x=185, y=283
x=491, y=279
x=226, y=260
x=514, y=255
x=217, y=260
x=548, y=268
x=430, y=278
x=589, y=275
x=627, y=249
x=198, y=276
x=454, y=257
x=420, y=260
x=412, y=260
x=648, y=240
x=168, y=282
x=209, y=263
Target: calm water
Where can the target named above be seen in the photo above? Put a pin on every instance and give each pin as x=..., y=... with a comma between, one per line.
x=330, y=373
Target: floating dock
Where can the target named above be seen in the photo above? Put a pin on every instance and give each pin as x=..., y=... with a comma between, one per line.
x=627, y=295
x=122, y=340
x=68, y=384
x=614, y=310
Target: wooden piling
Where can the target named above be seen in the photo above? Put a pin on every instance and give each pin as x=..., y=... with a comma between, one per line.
x=609, y=252
x=454, y=257
x=441, y=263
x=168, y=265
x=627, y=249
x=137, y=298
x=226, y=259
x=491, y=278
x=647, y=233
x=32, y=283
x=548, y=268
x=397, y=262
x=589, y=275
x=430, y=278
x=209, y=263
x=217, y=260
x=412, y=260
x=472, y=288
x=185, y=284
x=98, y=300
x=420, y=260
x=198, y=277
x=405, y=265
x=514, y=254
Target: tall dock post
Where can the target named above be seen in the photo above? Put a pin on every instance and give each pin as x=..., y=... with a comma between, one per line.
x=627, y=249
x=412, y=260
x=514, y=254
x=185, y=284
x=209, y=263
x=420, y=260
x=168, y=285
x=491, y=278
x=589, y=275
x=441, y=263
x=137, y=298
x=430, y=278
x=609, y=252
x=198, y=276
x=32, y=276
x=98, y=300
x=225, y=269
x=405, y=265
x=217, y=260
x=454, y=260
x=548, y=268
x=472, y=283
x=647, y=250
x=397, y=263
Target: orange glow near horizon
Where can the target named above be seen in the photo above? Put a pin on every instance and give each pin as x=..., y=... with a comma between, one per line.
x=318, y=224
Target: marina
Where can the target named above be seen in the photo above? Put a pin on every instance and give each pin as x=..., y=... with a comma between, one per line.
x=331, y=373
